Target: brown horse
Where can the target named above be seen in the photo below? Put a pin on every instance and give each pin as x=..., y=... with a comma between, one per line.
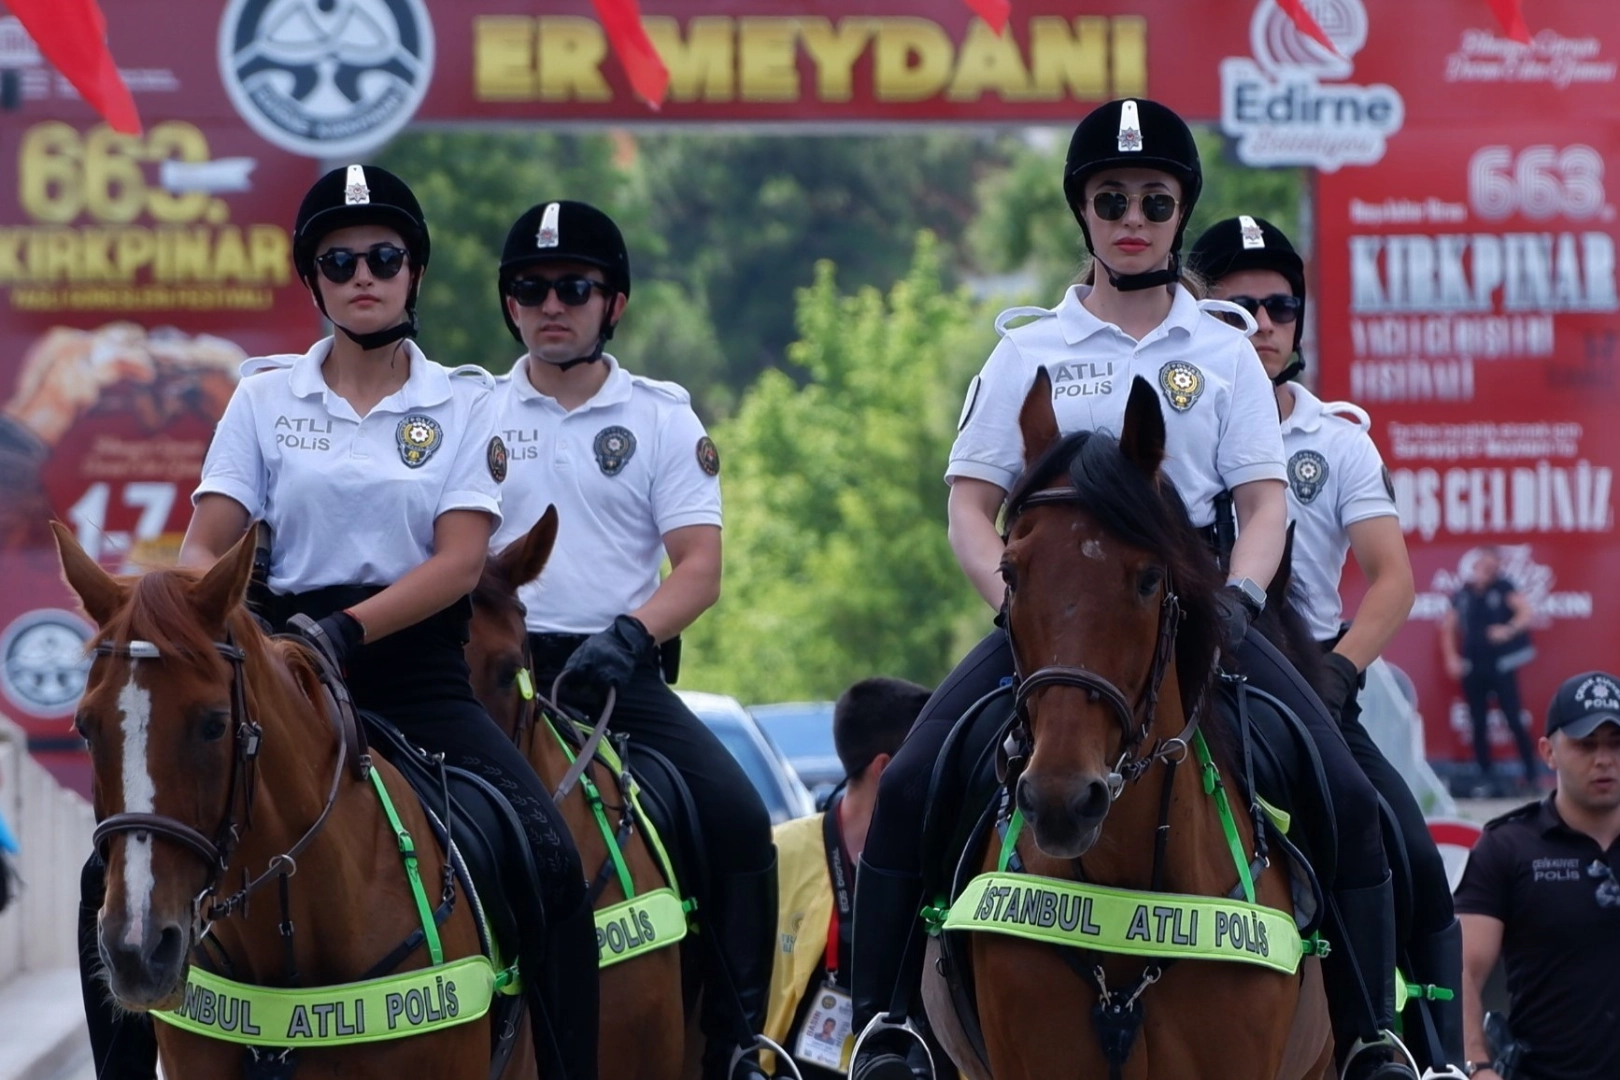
x=643, y=1025
x=1112, y=619
x=220, y=760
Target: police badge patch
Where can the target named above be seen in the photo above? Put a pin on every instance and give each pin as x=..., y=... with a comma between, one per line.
x=1183, y=384
x=614, y=447
x=495, y=458
x=418, y=438
x=708, y=456
x=1307, y=472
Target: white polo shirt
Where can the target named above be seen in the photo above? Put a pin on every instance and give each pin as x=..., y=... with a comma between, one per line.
x=1335, y=479
x=352, y=500
x=623, y=469
x=1220, y=415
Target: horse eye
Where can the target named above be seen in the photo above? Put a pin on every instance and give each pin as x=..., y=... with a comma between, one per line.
x=214, y=727
x=1148, y=581
x=1009, y=574
x=81, y=724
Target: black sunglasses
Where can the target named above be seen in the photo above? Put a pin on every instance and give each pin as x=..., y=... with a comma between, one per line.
x=1157, y=206
x=573, y=290
x=383, y=260
x=1280, y=308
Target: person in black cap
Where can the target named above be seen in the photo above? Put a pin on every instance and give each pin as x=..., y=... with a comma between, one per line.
x=1542, y=891
x=1340, y=501
x=1131, y=179
x=364, y=438
x=635, y=478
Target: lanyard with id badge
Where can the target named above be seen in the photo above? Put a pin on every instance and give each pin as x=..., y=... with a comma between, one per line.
x=826, y=1038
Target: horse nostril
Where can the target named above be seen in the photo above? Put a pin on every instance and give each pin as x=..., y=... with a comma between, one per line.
x=1024, y=798
x=1093, y=803
x=169, y=950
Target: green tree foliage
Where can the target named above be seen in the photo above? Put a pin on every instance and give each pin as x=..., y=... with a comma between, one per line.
x=1025, y=225
x=837, y=564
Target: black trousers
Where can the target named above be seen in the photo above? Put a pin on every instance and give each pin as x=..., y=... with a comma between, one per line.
x=1481, y=683
x=893, y=838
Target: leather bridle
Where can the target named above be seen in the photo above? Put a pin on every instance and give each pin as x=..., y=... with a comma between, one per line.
x=248, y=736
x=1131, y=763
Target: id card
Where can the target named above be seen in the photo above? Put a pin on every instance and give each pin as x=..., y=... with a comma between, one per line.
x=826, y=1039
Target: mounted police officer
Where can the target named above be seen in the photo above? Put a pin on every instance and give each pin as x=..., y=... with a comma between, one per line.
x=634, y=477
x=1340, y=501
x=365, y=439
x=1131, y=179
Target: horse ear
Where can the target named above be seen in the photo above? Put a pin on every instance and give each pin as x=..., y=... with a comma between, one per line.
x=521, y=561
x=225, y=584
x=1037, y=420
x=101, y=594
x=1142, y=437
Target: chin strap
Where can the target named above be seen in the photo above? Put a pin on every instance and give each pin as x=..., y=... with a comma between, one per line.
x=1290, y=372
x=1168, y=277
x=596, y=353
x=378, y=338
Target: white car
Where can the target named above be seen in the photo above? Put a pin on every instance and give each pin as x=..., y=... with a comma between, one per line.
x=785, y=796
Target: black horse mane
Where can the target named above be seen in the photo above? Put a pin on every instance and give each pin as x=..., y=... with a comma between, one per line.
x=1147, y=513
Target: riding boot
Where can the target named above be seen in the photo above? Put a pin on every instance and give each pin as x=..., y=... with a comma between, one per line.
x=122, y=1044
x=886, y=907
x=1367, y=919
x=1437, y=961
x=566, y=989
x=743, y=918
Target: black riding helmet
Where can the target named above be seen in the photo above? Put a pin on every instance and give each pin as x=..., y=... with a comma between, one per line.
x=1142, y=134
x=362, y=195
x=571, y=231
x=1253, y=243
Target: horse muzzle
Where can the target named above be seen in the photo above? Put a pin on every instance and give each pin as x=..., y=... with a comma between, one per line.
x=145, y=969
x=1064, y=813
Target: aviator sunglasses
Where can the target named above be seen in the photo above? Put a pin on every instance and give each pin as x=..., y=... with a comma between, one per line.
x=572, y=290
x=383, y=260
x=1157, y=206
x=1281, y=308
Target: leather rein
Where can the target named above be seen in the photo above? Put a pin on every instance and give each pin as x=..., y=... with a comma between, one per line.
x=248, y=736
x=1131, y=764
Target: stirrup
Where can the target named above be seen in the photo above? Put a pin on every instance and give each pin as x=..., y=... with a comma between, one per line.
x=1450, y=1072
x=881, y=1023
x=782, y=1056
x=1385, y=1040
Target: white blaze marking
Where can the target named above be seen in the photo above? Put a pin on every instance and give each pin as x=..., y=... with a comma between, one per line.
x=136, y=704
x=1091, y=549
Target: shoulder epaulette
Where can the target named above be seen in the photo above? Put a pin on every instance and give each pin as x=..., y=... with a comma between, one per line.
x=1345, y=410
x=473, y=371
x=674, y=391
x=257, y=365
x=1520, y=813
x=1023, y=312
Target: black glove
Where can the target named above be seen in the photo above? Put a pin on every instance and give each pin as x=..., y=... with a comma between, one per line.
x=335, y=637
x=1237, y=615
x=609, y=658
x=1339, y=684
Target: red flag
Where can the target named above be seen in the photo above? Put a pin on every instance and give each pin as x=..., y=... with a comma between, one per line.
x=993, y=12
x=1512, y=20
x=72, y=34
x=649, y=78
x=1305, y=24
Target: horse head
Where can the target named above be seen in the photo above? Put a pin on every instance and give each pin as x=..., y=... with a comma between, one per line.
x=498, y=646
x=1110, y=610
x=163, y=716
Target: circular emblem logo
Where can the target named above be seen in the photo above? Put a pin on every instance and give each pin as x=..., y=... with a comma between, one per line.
x=1182, y=383
x=326, y=78
x=42, y=662
x=614, y=447
x=418, y=438
x=1307, y=472
x=496, y=459
x=708, y=456
x=828, y=1001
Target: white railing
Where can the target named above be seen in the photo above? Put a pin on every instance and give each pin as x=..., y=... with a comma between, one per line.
x=53, y=826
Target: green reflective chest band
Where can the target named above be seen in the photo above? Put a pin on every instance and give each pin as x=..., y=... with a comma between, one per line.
x=633, y=928
x=1223, y=811
x=392, y=1007
x=1161, y=925
x=407, y=852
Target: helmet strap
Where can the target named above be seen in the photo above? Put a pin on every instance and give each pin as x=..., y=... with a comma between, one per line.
x=601, y=341
x=377, y=338
x=1168, y=277
x=1289, y=373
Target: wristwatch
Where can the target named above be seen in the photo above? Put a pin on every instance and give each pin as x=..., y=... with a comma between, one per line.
x=1252, y=593
x=1473, y=1068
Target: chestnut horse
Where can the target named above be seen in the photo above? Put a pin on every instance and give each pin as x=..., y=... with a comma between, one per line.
x=643, y=1021
x=218, y=761
x=1111, y=613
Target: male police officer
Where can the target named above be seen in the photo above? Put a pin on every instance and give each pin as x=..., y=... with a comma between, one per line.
x=633, y=476
x=1541, y=891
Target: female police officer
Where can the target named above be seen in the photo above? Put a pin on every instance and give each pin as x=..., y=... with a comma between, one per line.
x=1131, y=178
x=364, y=438
x=1340, y=502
